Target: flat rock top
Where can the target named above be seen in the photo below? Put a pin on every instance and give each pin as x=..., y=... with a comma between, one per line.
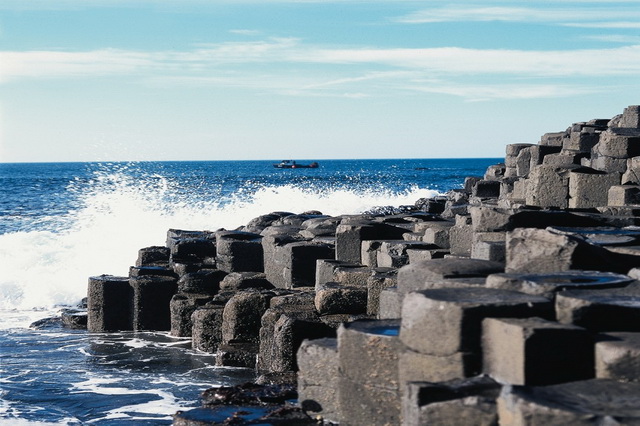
x=238, y=235
x=597, y=397
x=481, y=296
x=379, y=327
x=559, y=280
x=623, y=131
x=447, y=268
x=603, y=297
x=621, y=339
x=330, y=343
x=605, y=235
x=535, y=323
x=430, y=392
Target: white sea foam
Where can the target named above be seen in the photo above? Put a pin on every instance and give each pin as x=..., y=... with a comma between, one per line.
x=166, y=403
x=162, y=401
x=23, y=422
x=100, y=385
x=136, y=343
x=10, y=414
x=120, y=214
x=15, y=318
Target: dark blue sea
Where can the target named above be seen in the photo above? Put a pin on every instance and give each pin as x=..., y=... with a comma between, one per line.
x=61, y=223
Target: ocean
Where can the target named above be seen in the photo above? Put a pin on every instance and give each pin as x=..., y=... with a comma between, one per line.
x=61, y=223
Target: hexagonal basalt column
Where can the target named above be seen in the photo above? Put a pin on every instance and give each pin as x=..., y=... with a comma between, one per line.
x=109, y=304
x=533, y=351
x=443, y=322
x=239, y=251
x=547, y=285
x=588, y=402
x=462, y=402
x=618, y=356
x=599, y=310
x=369, y=389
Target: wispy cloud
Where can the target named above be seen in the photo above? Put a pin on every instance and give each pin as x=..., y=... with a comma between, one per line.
x=544, y=14
x=81, y=4
x=478, y=93
x=246, y=32
x=614, y=38
x=611, y=25
x=48, y=64
x=104, y=62
x=587, y=62
x=288, y=66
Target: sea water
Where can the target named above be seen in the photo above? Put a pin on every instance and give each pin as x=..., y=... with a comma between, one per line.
x=61, y=223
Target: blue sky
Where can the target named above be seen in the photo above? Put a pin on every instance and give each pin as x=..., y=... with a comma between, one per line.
x=116, y=80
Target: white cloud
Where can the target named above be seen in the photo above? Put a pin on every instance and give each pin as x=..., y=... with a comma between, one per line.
x=286, y=66
x=615, y=25
x=45, y=64
x=592, y=62
x=615, y=38
x=276, y=52
x=367, y=77
x=477, y=93
x=103, y=62
x=84, y=4
x=246, y=32
x=560, y=15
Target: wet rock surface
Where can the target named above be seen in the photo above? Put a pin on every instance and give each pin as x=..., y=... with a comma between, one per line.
x=249, y=404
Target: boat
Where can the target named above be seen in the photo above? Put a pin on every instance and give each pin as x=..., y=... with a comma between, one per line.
x=291, y=164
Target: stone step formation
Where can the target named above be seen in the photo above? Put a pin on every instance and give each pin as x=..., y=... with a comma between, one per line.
x=512, y=301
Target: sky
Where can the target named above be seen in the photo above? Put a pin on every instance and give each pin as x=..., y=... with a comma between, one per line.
x=123, y=80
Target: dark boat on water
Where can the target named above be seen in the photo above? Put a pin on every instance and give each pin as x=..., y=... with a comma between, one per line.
x=291, y=164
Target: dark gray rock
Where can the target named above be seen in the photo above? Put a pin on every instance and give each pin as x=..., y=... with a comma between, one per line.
x=380, y=279
x=618, y=356
x=205, y=281
x=548, y=284
x=610, y=310
x=237, y=354
x=318, y=378
x=153, y=256
x=282, y=333
x=367, y=405
x=368, y=351
x=298, y=261
x=471, y=402
x=239, y=251
x=259, y=223
x=486, y=189
x=335, y=298
x=390, y=303
x=588, y=402
x=74, y=319
x=352, y=231
x=533, y=351
x=423, y=275
x=199, y=246
x=109, y=304
x=416, y=366
x=206, y=334
x=140, y=271
x=549, y=251
x=245, y=280
x=182, y=307
x=151, y=302
x=444, y=321
x=242, y=315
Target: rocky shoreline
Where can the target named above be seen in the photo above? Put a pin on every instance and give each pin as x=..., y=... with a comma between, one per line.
x=511, y=301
